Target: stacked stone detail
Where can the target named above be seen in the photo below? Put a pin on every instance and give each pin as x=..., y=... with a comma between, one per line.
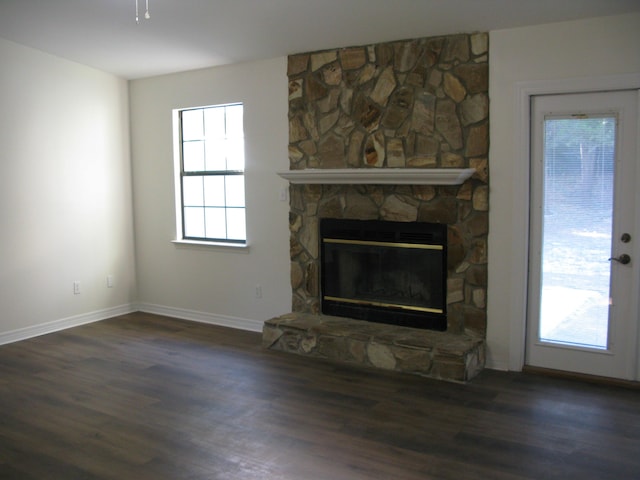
x=419, y=103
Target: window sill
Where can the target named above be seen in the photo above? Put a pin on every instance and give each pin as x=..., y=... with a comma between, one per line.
x=226, y=247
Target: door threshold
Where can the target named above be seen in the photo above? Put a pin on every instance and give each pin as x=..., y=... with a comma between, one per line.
x=583, y=377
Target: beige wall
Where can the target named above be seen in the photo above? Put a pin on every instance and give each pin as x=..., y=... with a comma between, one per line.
x=578, y=50
x=65, y=193
x=64, y=188
x=189, y=279
x=213, y=284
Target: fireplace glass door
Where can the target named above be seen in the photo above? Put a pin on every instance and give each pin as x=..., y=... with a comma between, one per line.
x=389, y=272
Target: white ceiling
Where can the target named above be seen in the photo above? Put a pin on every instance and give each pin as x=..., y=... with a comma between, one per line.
x=189, y=34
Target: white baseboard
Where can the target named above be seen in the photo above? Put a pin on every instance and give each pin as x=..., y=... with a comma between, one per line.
x=500, y=366
x=202, y=317
x=64, y=323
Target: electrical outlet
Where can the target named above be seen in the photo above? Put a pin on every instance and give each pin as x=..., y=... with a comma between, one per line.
x=76, y=287
x=258, y=291
x=109, y=281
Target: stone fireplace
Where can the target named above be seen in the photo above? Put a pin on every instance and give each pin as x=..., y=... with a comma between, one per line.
x=357, y=114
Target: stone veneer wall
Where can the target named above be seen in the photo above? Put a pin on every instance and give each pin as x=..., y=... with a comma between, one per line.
x=409, y=104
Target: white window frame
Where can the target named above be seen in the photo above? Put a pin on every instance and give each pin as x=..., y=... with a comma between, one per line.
x=181, y=237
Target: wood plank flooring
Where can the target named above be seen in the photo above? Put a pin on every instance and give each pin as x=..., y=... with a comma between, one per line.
x=149, y=397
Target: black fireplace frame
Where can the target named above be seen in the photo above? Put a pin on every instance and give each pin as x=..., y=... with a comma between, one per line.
x=431, y=236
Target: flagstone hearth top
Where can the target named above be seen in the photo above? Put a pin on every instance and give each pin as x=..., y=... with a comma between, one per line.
x=379, y=176
x=443, y=355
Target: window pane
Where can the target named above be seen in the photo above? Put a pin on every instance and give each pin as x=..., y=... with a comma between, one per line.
x=192, y=191
x=235, y=154
x=193, y=156
x=236, y=226
x=192, y=125
x=214, y=122
x=214, y=191
x=235, y=190
x=234, y=121
x=216, y=227
x=194, y=222
x=216, y=155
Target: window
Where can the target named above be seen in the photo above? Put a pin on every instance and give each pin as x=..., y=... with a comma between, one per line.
x=211, y=179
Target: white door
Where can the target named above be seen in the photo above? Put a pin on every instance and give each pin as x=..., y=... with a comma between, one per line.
x=584, y=234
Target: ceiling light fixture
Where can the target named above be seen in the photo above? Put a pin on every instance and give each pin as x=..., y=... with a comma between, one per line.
x=147, y=15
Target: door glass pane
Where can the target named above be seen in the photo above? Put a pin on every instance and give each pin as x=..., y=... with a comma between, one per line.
x=577, y=225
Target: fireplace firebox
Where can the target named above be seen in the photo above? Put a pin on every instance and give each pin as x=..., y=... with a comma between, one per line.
x=386, y=272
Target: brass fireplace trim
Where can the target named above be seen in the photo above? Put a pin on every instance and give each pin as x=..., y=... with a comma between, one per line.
x=418, y=246
x=382, y=304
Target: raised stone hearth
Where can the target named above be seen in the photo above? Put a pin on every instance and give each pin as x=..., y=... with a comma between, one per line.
x=411, y=105
x=440, y=355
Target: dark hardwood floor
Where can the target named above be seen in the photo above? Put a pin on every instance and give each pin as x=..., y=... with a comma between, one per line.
x=148, y=397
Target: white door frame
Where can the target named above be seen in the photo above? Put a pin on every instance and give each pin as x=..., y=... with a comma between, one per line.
x=520, y=220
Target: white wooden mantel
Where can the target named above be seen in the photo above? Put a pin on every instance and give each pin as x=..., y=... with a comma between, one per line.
x=379, y=176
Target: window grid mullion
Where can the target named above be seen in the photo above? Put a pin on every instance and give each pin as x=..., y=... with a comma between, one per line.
x=226, y=217
x=204, y=207
x=204, y=173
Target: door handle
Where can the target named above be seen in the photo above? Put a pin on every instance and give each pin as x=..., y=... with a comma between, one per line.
x=623, y=259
